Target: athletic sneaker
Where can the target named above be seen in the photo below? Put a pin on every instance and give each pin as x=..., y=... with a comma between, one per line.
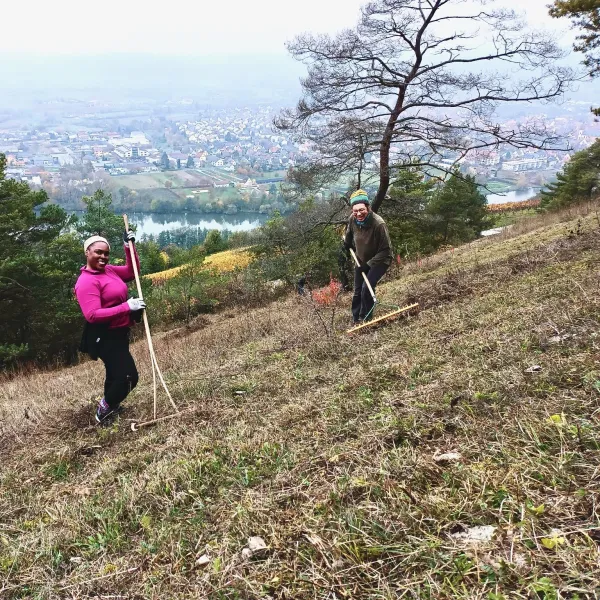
x=105, y=414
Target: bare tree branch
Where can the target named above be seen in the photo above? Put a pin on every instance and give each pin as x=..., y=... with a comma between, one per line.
x=420, y=78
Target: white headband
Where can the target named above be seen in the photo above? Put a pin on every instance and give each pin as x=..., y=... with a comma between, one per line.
x=93, y=240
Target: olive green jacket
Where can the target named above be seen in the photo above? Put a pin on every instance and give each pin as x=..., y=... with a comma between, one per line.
x=372, y=241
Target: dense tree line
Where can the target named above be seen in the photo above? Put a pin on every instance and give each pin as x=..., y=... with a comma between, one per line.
x=187, y=237
x=39, y=258
x=422, y=215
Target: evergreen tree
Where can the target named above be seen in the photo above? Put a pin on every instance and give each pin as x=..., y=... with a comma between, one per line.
x=214, y=242
x=164, y=238
x=405, y=212
x=577, y=182
x=164, y=161
x=152, y=259
x=190, y=162
x=38, y=267
x=99, y=219
x=292, y=246
x=458, y=211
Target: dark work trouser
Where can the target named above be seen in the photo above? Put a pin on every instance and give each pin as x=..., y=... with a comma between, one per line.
x=121, y=372
x=362, y=301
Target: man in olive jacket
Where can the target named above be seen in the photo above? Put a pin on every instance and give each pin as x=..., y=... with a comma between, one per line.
x=368, y=233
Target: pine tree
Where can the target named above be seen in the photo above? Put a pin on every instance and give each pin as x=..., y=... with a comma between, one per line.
x=99, y=219
x=577, y=182
x=585, y=15
x=405, y=212
x=38, y=267
x=458, y=211
x=214, y=242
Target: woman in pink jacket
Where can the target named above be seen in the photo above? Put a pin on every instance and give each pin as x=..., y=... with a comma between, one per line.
x=101, y=291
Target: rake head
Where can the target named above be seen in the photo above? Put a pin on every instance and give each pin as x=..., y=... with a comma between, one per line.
x=394, y=313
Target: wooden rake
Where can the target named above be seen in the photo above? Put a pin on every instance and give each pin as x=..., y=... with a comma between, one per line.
x=154, y=363
x=394, y=313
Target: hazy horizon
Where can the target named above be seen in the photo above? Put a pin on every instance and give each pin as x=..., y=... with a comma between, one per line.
x=66, y=27
x=243, y=79
x=230, y=54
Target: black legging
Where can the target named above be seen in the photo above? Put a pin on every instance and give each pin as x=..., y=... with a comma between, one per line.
x=121, y=372
x=362, y=301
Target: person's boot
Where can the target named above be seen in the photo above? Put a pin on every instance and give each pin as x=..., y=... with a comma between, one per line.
x=105, y=414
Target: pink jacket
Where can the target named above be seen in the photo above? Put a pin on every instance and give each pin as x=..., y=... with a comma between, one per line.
x=103, y=296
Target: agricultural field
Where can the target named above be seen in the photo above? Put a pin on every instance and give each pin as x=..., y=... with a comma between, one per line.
x=498, y=187
x=150, y=181
x=272, y=174
x=229, y=260
x=184, y=192
x=220, y=196
x=164, y=194
x=215, y=175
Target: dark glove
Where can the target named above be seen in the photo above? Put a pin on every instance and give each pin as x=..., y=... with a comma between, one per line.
x=128, y=236
x=364, y=268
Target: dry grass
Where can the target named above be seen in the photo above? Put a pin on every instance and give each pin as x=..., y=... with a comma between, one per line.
x=223, y=262
x=229, y=260
x=327, y=447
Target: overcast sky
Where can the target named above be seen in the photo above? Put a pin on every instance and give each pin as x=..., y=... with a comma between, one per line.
x=187, y=26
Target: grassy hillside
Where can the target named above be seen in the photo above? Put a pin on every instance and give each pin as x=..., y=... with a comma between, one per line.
x=450, y=455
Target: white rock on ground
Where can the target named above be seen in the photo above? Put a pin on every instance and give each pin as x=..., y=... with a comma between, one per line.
x=475, y=535
x=447, y=457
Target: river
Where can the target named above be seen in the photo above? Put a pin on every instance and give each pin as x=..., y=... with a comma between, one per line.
x=514, y=196
x=154, y=223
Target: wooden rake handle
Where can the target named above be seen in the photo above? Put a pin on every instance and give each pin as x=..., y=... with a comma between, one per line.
x=133, y=262
x=153, y=362
x=364, y=276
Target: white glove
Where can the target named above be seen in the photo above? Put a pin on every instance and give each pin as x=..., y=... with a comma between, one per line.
x=136, y=304
x=128, y=236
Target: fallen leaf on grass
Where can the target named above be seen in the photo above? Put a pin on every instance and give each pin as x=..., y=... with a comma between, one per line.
x=557, y=419
x=554, y=541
